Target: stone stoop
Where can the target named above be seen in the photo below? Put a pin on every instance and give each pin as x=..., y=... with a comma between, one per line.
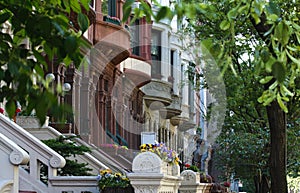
x=114, y=154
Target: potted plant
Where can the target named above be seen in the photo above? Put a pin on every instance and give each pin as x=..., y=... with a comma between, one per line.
x=110, y=182
x=168, y=155
x=113, y=20
x=204, y=178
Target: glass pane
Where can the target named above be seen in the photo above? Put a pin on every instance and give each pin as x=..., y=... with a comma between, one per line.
x=104, y=7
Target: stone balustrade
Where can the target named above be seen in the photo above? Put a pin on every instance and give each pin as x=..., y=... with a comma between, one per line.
x=17, y=176
x=11, y=156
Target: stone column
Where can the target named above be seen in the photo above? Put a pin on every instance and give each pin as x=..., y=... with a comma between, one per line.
x=150, y=174
x=191, y=183
x=76, y=102
x=84, y=108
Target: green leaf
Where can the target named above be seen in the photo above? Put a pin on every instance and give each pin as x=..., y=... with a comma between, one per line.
x=190, y=11
x=260, y=99
x=10, y=107
x=49, y=51
x=13, y=67
x=39, y=70
x=225, y=25
x=85, y=4
x=273, y=17
x=207, y=43
x=4, y=17
x=273, y=8
x=286, y=99
x=39, y=57
x=83, y=22
x=284, y=91
x=293, y=49
x=296, y=61
x=75, y=6
x=281, y=104
x=126, y=14
x=266, y=79
x=279, y=71
x=269, y=64
x=274, y=85
x=265, y=55
x=128, y=4
x=67, y=61
x=282, y=33
x=70, y=44
x=162, y=13
x=232, y=14
x=66, y=5
x=298, y=37
x=256, y=18
x=59, y=88
x=243, y=8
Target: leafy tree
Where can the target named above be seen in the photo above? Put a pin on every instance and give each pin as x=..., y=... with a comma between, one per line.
x=243, y=145
x=270, y=32
x=68, y=148
x=33, y=35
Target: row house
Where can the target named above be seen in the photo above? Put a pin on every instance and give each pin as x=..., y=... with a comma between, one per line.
x=134, y=86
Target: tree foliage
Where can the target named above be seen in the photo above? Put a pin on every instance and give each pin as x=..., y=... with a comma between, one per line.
x=243, y=145
x=67, y=148
x=35, y=35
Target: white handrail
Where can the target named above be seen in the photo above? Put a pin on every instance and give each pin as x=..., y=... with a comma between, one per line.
x=38, y=151
x=11, y=156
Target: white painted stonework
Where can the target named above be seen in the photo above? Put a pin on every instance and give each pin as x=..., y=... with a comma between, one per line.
x=152, y=175
x=191, y=183
x=31, y=122
x=11, y=156
x=13, y=141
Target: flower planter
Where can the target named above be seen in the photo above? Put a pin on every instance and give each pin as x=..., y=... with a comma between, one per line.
x=112, y=20
x=118, y=190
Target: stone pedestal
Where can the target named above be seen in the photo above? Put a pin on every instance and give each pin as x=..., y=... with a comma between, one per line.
x=191, y=183
x=152, y=175
x=29, y=122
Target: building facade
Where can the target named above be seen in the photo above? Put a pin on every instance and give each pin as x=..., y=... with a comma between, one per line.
x=134, y=83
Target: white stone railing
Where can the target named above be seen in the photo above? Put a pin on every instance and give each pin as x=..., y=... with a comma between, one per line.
x=31, y=122
x=191, y=183
x=40, y=154
x=45, y=132
x=11, y=156
x=152, y=175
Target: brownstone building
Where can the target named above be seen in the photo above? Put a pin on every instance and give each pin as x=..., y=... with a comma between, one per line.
x=130, y=85
x=105, y=95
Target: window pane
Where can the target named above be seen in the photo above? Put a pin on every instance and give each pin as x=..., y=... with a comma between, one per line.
x=156, y=52
x=135, y=38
